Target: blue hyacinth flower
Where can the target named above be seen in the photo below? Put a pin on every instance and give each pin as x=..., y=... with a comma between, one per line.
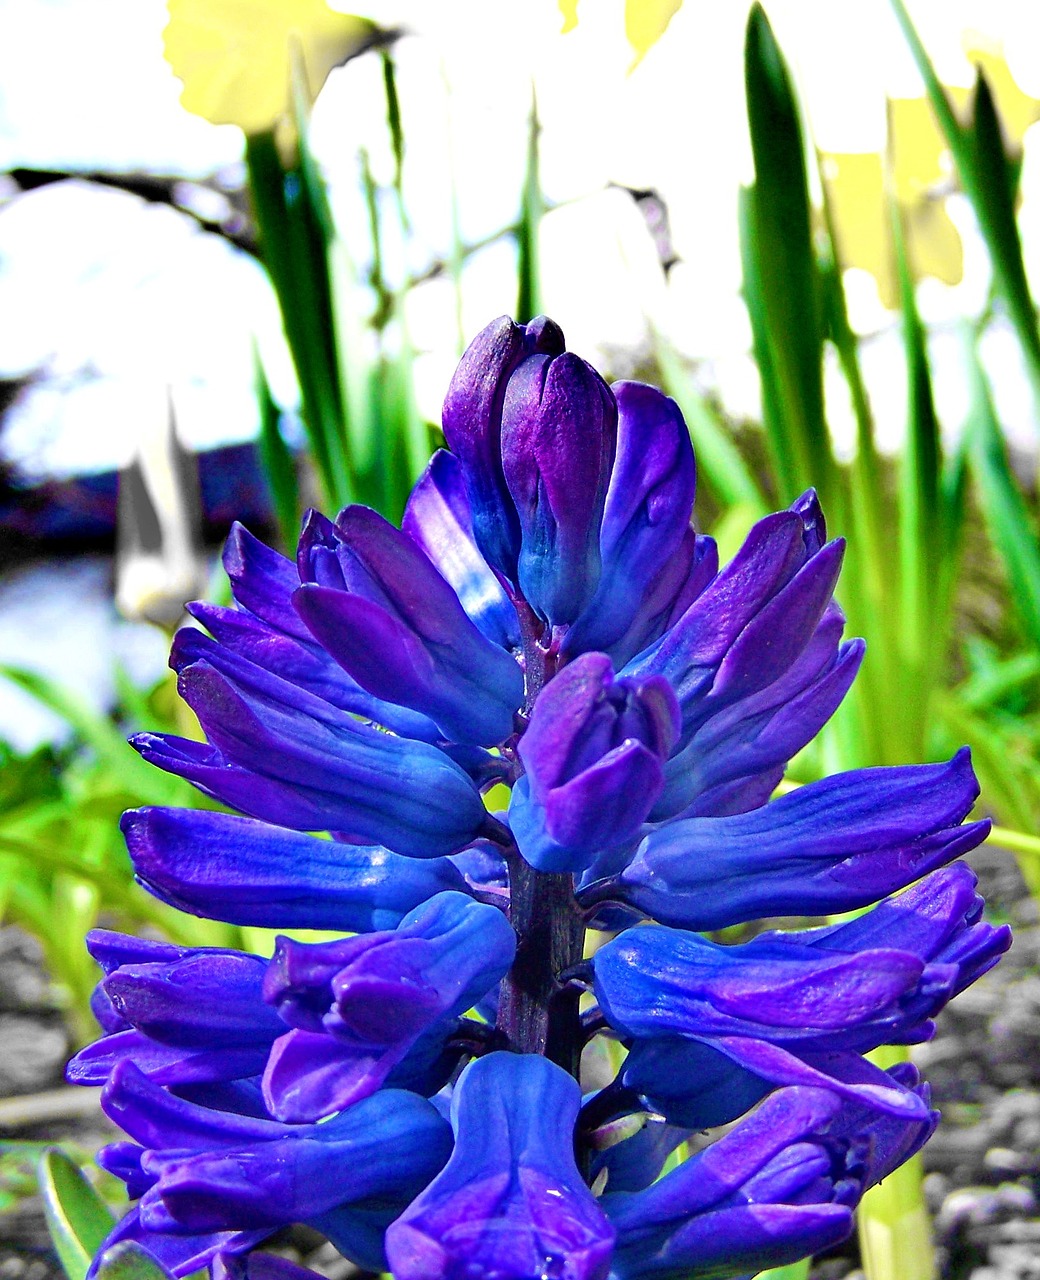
x=410, y=1084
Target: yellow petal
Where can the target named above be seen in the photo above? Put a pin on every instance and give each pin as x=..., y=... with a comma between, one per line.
x=920, y=156
x=933, y=243
x=646, y=22
x=855, y=192
x=232, y=56
x=569, y=12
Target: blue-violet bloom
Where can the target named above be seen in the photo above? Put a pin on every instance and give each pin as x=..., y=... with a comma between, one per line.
x=548, y=623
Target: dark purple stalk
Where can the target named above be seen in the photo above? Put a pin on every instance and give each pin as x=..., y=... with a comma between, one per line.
x=537, y=1013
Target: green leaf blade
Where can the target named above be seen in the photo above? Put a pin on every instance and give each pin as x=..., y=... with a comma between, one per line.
x=128, y=1261
x=77, y=1218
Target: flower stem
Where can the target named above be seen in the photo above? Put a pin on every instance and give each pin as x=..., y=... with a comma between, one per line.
x=536, y=1013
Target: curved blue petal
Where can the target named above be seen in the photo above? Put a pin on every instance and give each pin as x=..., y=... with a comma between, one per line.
x=438, y=518
x=828, y=847
x=510, y=1202
x=214, y=1171
x=559, y=433
x=646, y=514
x=359, y=1005
x=779, y=1186
x=397, y=627
x=228, y=868
x=282, y=755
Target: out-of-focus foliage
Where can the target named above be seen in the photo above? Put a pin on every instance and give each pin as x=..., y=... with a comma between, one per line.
x=62, y=856
x=910, y=539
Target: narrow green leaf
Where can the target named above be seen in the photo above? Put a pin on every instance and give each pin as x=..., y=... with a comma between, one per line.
x=278, y=463
x=77, y=1218
x=793, y=1271
x=838, y=329
x=993, y=197
x=294, y=226
x=1004, y=509
x=393, y=122
x=921, y=509
x=128, y=1261
x=780, y=240
x=986, y=176
x=532, y=208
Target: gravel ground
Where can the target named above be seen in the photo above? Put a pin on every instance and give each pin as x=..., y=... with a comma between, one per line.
x=983, y=1165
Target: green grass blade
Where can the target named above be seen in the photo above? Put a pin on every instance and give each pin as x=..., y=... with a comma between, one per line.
x=294, y=243
x=77, y=1218
x=278, y=463
x=985, y=174
x=780, y=239
x=1004, y=509
x=793, y=1271
x=921, y=510
x=393, y=124
x=128, y=1261
x=993, y=197
x=532, y=207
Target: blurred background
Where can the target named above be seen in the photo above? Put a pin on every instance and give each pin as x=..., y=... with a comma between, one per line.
x=242, y=246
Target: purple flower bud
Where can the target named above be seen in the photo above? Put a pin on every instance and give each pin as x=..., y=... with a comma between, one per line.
x=510, y=1202
x=559, y=433
x=473, y=428
x=831, y=846
x=646, y=516
x=358, y=1005
x=798, y=1007
x=594, y=754
x=778, y=1187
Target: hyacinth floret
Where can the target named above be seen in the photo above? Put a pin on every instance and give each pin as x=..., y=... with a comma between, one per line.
x=515, y=758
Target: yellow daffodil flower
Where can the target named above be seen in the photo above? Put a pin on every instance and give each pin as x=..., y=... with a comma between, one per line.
x=921, y=177
x=233, y=56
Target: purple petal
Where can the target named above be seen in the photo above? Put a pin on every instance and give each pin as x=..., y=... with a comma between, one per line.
x=439, y=520
x=401, y=632
x=164, y=1064
x=262, y=582
x=208, y=999
x=772, y=554
x=389, y=1144
x=828, y=847
x=559, y=431
x=473, y=428
x=310, y=1074
x=281, y=755
x=248, y=873
x=305, y=664
x=510, y=1201
x=646, y=515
